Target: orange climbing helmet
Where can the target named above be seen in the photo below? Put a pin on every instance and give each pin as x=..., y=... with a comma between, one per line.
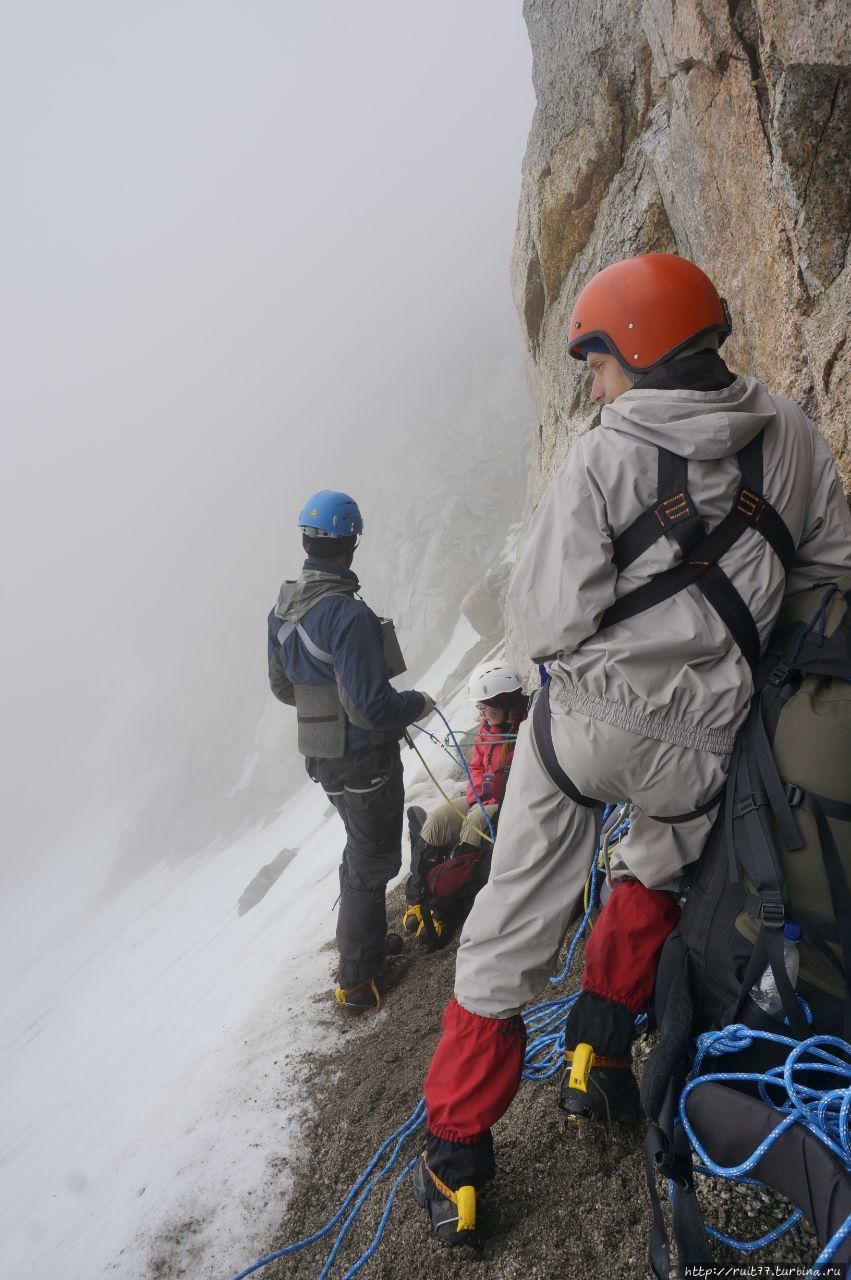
x=644, y=310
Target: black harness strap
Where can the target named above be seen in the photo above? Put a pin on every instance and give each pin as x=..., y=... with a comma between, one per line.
x=667, y=1151
x=711, y=803
x=732, y=610
x=543, y=735
x=701, y=552
x=674, y=512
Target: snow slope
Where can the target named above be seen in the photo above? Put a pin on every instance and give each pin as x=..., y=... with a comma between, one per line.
x=150, y=1046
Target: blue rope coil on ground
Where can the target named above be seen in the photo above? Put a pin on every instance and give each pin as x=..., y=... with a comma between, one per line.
x=825, y=1113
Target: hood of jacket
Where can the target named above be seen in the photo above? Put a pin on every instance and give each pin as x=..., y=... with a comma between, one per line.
x=693, y=424
x=295, y=599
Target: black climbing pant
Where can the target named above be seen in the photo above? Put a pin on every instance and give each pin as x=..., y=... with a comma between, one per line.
x=367, y=789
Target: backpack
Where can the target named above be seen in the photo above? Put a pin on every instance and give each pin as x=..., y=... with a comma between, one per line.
x=451, y=887
x=780, y=849
x=449, y=878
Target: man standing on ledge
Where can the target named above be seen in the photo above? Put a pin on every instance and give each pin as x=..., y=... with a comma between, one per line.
x=650, y=580
x=326, y=659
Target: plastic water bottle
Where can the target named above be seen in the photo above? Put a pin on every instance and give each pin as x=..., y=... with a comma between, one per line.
x=765, y=993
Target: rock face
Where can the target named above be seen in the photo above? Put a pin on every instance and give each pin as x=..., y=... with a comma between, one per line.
x=718, y=129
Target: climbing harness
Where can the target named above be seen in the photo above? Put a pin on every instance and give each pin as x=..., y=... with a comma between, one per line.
x=676, y=516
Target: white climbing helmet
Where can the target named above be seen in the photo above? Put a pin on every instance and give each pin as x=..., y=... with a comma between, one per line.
x=493, y=678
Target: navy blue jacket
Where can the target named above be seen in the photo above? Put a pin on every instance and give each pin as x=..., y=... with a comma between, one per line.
x=348, y=630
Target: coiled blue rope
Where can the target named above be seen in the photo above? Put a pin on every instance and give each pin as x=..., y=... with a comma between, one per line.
x=825, y=1113
x=545, y=1024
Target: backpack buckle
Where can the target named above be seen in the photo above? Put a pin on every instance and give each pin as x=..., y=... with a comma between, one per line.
x=794, y=795
x=772, y=914
x=780, y=674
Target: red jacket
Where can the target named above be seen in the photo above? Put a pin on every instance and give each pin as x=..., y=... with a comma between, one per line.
x=490, y=756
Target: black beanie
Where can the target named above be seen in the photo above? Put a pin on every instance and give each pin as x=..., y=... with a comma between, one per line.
x=328, y=548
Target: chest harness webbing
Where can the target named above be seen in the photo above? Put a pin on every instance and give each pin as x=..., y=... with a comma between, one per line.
x=676, y=516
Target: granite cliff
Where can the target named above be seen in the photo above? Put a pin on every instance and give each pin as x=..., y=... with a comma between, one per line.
x=718, y=129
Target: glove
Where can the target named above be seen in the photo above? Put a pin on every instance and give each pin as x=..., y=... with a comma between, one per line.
x=428, y=705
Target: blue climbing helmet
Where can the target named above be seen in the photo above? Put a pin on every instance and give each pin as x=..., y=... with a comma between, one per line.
x=329, y=514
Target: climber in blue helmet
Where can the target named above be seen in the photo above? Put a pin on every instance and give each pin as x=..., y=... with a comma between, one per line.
x=326, y=658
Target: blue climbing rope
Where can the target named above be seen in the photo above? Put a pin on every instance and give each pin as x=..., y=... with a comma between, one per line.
x=544, y=1058
x=468, y=738
x=788, y=1089
x=610, y=835
x=451, y=734
x=357, y=1197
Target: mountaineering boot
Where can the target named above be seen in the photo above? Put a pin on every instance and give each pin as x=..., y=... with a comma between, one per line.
x=598, y=1083
x=369, y=993
x=600, y=1089
x=394, y=945
x=452, y=1213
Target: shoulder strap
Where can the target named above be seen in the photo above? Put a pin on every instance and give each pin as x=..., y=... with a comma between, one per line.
x=674, y=512
x=750, y=510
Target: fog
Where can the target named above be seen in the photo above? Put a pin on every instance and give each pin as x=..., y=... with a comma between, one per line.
x=250, y=250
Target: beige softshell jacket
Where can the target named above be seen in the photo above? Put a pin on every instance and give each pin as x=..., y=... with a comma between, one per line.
x=673, y=673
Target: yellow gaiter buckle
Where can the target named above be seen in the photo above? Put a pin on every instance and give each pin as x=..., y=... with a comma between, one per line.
x=464, y=1199
x=581, y=1060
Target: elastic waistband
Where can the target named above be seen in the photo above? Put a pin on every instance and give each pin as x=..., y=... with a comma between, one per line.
x=717, y=741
